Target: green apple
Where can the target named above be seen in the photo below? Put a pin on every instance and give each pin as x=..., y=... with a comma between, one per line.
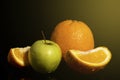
x=44, y=56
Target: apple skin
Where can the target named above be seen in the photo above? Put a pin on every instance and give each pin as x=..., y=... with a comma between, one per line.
x=44, y=56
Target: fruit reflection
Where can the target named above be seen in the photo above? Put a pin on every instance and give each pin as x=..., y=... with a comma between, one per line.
x=29, y=75
x=25, y=79
x=47, y=78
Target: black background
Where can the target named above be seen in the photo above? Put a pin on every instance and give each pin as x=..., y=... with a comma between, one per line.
x=23, y=20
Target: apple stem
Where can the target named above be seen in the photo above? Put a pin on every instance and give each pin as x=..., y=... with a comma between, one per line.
x=43, y=36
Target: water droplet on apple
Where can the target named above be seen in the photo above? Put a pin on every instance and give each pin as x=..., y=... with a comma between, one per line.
x=93, y=70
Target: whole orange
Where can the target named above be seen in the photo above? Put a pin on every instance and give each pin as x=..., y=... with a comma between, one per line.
x=73, y=34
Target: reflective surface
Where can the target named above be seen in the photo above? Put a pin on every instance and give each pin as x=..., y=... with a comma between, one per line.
x=62, y=73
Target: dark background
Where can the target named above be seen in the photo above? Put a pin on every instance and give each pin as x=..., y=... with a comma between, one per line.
x=23, y=20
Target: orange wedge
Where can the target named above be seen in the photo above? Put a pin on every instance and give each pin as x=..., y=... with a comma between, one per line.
x=88, y=61
x=19, y=56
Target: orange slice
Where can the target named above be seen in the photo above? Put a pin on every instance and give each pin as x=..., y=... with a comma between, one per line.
x=88, y=61
x=19, y=56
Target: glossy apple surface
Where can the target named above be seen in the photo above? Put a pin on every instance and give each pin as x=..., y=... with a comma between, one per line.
x=44, y=56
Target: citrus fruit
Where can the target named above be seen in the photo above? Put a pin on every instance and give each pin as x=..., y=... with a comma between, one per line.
x=19, y=56
x=88, y=61
x=73, y=34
